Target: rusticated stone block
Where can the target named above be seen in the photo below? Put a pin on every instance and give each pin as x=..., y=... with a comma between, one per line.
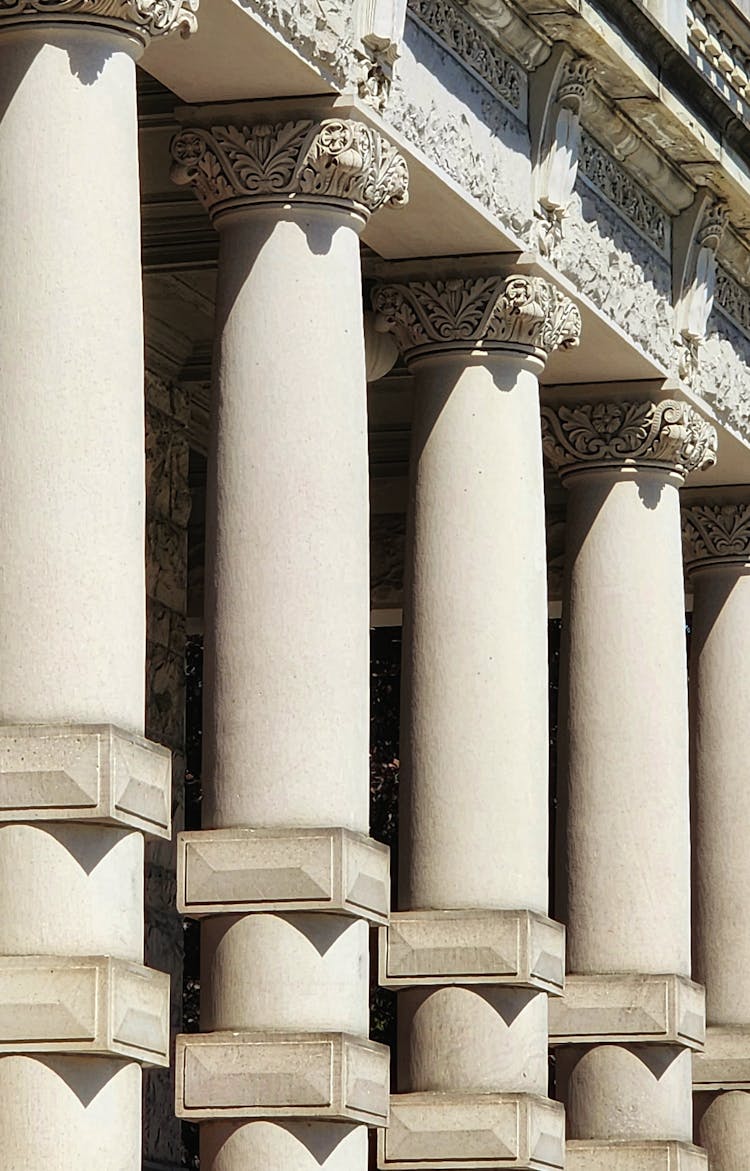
x=84, y=772
x=519, y=948
x=463, y=1131
x=333, y=1076
x=84, y=1004
x=588, y=1155
x=235, y=871
x=724, y=1063
x=664, y=1009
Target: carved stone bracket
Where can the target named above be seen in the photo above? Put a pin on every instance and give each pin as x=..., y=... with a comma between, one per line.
x=716, y=534
x=668, y=434
x=336, y=161
x=143, y=19
x=697, y=237
x=513, y=313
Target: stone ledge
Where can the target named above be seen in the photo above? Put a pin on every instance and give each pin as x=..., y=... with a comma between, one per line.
x=662, y=1009
x=332, y=1076
x=87, y=773
x=237, y=871
x=724, y=1064
x=84, y=1004
x=463, y=1131
x=519, y=948
x=588, y=1155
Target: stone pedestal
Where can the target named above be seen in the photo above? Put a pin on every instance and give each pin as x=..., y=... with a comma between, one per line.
x=474, y=717
x=286, y=708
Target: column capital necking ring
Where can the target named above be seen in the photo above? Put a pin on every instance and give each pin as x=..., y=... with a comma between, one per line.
x=716, y=534
x=142, y=19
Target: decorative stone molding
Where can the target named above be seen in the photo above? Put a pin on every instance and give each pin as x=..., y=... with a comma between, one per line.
x=609, y=1009
x=519, y=313
x=143, y=19
x=92, y=1005
x=694, y=265
x=732, y=298
x=724, y=1063
x=611, y=180
x=668, y=434
x=517, y=948
x=453, y=1131
x=603, y=1155
x=556, y=164
x=332, y=1076
x=86, y=772
x=527, y=43
x=238, y=871
x=726, y=50
x=716, y=534
x=336, y=161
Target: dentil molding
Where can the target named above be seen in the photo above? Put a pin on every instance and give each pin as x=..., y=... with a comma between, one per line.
x=716, y=534
x=336, y=160
x=143, y=19
x=668, y=434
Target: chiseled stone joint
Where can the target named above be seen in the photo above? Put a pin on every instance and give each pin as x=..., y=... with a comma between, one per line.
x=615, y=434
x=142, y=19
x=716, y=534
x=336, y=161
x=521, y=313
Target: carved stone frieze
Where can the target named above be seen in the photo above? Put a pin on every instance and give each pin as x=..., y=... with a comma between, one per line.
x=528, y=44
x=611, y=180
x=337, y=161
x=668, y=434
x=732, y=298
x=517, y=312
x=143, y=19
x=716, y=533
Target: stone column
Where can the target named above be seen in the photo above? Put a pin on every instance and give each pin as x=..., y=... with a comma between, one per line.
x=79, y=785
x=284, y=1075
x=624, y=754
x=472, y=945
x=716, y=538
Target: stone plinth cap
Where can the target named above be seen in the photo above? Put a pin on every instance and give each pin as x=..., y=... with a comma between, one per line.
x=84, y=1005
x=591, y=1155
x=236, y=871
x=724, y=1063
x=456, y=1132
x=666, y=1010
x=332, y=1076
x=85, y=772
x=519, y=948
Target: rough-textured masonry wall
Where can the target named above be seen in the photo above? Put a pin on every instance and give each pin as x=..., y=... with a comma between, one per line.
x=167, y=513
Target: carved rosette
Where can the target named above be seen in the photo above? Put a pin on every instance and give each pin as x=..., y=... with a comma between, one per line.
x=337, y=161
x=143, y=19
x=716, y=534
x=669, y=434
x=511, y=313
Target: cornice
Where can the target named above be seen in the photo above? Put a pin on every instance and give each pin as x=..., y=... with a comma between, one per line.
x=141, y=19
x=715, y=535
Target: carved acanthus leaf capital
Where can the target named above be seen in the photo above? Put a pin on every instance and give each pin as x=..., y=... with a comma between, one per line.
x=518, y=312
x=337, y=161
x=716, y=534
x=668, y=434
x=143, y=19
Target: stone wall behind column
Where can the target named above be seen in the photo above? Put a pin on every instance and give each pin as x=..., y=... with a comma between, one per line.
x=167, y=513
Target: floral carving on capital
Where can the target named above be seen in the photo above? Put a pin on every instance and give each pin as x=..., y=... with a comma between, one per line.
x=517, y=312
x=715, y=534
x=337, y=160
x=144, y=19
x=669, y=434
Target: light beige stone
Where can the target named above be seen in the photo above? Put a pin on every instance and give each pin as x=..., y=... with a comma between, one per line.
x=330, y=1076
x=583, y=1155
x=84, y=1005
x=239, y=870
x=85, y=772
x=445, y=1131
x=663, y=1009
x=519, y=948
x=724, y=1063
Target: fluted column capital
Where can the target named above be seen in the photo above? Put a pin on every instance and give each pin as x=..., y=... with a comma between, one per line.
x=613, y=434
x=335, y=161
x=716, y=535
x=519, y=313
x=140, y=19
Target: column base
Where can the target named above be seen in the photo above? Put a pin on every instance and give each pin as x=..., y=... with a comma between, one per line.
x=589, y=1155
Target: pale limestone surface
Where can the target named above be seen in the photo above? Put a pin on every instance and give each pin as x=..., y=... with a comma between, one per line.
x=725, y=1060
x=665, y=1009
x=613, y=1156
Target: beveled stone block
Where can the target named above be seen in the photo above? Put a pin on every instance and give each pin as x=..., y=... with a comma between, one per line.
x=334, y=1076
x=235, y=871
x=84, y=1004
x=664, y=1009
x=85, y=772
x=588, y=1155
x=462, y=1131
x=724, y=1063
x=519, y=948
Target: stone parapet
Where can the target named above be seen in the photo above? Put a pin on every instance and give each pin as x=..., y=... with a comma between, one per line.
x=664, y=1010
